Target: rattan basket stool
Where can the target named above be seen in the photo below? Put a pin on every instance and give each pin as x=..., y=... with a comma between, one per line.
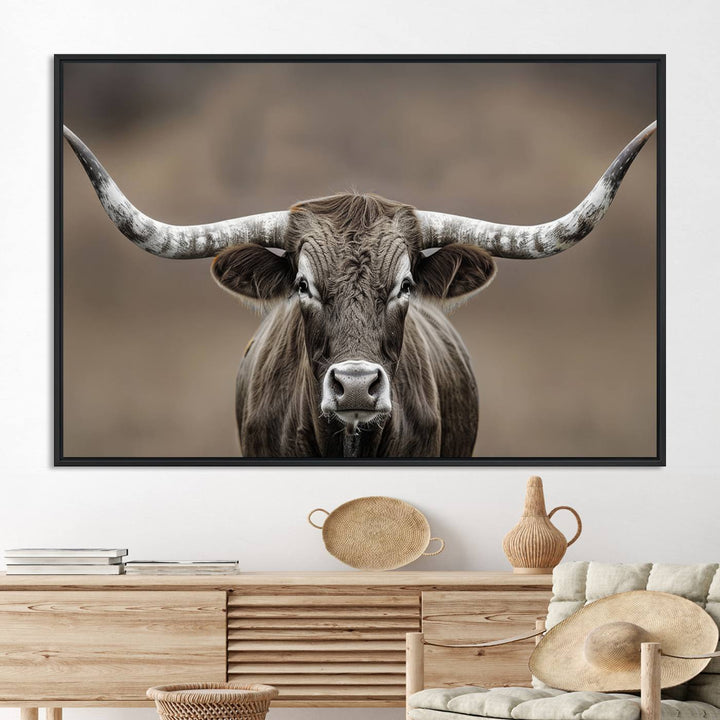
x=212, y=701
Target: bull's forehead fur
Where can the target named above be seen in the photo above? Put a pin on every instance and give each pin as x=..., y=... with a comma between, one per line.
x=353, y=241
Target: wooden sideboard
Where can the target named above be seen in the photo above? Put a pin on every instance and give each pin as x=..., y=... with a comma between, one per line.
x=324, y=639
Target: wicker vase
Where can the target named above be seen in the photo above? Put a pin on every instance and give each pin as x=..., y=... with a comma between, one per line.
x=535, y=545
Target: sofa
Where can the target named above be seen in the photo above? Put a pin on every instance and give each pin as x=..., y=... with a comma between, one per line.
x=575, y=584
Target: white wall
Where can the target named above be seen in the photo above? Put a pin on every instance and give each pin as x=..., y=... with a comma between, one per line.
x=258, y=515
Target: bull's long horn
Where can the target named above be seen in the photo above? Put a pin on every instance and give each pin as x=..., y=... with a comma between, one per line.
x=174, y=241
x=535, y=241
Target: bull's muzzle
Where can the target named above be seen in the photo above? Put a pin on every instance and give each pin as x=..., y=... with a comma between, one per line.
x=356, y=391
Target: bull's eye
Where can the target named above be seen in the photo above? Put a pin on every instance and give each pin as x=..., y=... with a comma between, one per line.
x=302, y=287
x=405, y=287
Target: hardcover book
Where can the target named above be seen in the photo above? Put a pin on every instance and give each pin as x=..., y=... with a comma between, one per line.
x=60, y=561
x=181, y=567
x=65, y=569
x=66, y=553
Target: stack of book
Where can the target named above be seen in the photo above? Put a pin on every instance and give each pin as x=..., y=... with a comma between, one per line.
x=64, y=561
x=182, y=567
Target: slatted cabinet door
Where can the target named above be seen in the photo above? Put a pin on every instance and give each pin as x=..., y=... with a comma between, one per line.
x=328, y=649
x=97, y=645
x=468, y=617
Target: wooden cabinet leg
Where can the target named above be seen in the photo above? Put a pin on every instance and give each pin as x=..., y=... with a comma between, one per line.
x=54, y=713
x=28, y=713
x=414, y=666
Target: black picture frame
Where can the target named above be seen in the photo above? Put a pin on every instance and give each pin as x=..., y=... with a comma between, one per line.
x=63, y=460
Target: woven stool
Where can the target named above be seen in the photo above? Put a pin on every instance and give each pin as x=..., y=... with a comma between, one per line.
x=212, y=701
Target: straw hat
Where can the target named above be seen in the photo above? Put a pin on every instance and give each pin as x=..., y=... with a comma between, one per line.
x=598, y=647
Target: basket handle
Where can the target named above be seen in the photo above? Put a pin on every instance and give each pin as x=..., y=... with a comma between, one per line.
x=312, y=512
x=577, y=517
x=439, y=550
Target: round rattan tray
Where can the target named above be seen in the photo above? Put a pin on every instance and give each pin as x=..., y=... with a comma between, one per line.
x=376, y=533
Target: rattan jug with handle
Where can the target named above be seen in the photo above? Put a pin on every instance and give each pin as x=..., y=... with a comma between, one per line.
x=535, y=545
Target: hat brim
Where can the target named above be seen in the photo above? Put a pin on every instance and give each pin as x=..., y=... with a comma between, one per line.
x=679, y=625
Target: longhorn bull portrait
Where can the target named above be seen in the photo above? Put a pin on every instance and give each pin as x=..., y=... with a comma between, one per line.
x=354, y=356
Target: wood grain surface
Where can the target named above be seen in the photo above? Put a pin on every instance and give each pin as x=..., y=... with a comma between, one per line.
x=468, y=617
x=101, y=645
x=261, y=583
x=349, y=661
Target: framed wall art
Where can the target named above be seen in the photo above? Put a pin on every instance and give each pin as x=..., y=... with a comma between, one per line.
x=359, y=260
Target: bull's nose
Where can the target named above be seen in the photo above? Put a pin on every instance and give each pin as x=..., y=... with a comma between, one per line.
x=356, y=387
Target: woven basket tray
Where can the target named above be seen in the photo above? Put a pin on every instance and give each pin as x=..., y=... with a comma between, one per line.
x=376, y=533
x=212, y=701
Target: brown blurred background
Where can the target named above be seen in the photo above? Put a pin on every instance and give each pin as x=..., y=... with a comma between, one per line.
x=563, y=348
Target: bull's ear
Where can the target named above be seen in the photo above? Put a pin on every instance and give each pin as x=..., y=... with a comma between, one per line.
x=253, y=271
x=453, y=271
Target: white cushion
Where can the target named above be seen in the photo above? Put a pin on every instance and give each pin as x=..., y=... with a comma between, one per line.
x=690, y=581
x=438, y=698
x=521, y=703
x=604, y=579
